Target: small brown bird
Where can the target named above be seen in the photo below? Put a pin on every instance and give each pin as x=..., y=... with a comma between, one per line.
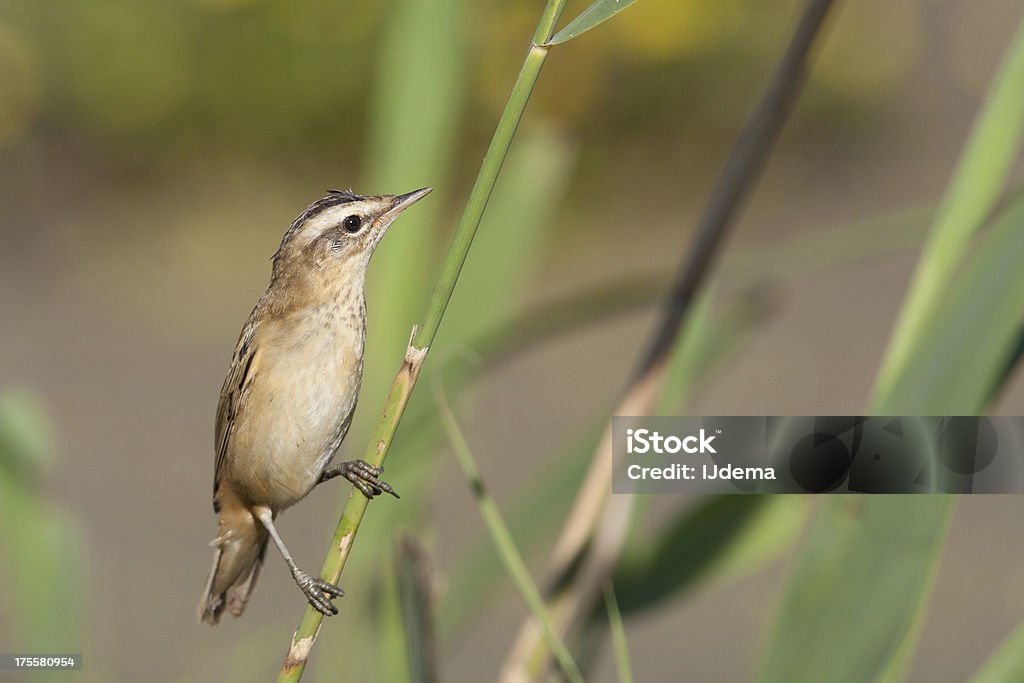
x=291, y=391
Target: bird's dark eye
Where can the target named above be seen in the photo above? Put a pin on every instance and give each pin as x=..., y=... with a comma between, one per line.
x=353, y=223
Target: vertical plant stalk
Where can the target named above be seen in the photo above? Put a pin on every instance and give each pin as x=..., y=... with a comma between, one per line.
x=592, y=537
x=423, y=334
x=619, y=644
x=415, y=578
x=502, y=538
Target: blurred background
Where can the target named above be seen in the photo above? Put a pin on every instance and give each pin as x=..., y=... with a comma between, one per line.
x=152, y=154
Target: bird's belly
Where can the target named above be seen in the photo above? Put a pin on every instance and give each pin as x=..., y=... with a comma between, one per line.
x=306, y=401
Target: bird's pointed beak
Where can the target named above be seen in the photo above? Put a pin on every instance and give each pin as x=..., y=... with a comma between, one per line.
x=404, y=201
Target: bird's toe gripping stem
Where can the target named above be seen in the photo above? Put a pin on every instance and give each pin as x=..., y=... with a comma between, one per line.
x=319, y=592
x=363, y=476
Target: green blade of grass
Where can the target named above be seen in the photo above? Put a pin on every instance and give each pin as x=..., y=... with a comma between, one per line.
x=977, y=184
x=503, y=541
x=962, y=353
x=478, y=568
x=964, y=350
x=1006, y=663
x=914, y=369
x=620, y=646
x=836, y=579
x=855, y=591
x=597, y=13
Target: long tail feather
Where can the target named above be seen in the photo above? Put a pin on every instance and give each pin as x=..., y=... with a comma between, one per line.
x=238, y=556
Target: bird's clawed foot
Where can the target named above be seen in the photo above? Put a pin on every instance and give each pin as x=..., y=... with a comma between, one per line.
x=363, y=476
x=319, y=592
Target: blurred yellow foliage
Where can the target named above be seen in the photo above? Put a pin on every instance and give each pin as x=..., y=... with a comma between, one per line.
x=127, y=68
x=287, y=76
x=223, y=4
x=330, y=23
x=501, y=44
x=661, y=31
x=19, y=83
x=872, y=48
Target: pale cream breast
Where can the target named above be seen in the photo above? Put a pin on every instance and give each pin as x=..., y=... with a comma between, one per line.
x=300, y=403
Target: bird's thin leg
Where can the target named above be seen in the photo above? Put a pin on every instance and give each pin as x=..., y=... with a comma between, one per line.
x=316, y=590
x=363, y=476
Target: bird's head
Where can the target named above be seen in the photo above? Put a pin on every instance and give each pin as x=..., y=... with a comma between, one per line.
x=340, y=230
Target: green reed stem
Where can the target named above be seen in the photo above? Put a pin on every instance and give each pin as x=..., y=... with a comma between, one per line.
x=424, y=333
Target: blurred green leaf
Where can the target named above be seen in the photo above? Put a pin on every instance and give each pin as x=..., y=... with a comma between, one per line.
x=961, y=355
x=718, y=539
x=521, y=217
x=977, y=184
x=815, y=251
x=41, y=576
x=391, y=647
x=827, y=248
x=416, y=108
x=855, y=594
x=931, y=367
x=1011, y=364
x=964, y=350
x=1006, y=663
x=598, y=13
x=26, y=448
x=516, y=231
